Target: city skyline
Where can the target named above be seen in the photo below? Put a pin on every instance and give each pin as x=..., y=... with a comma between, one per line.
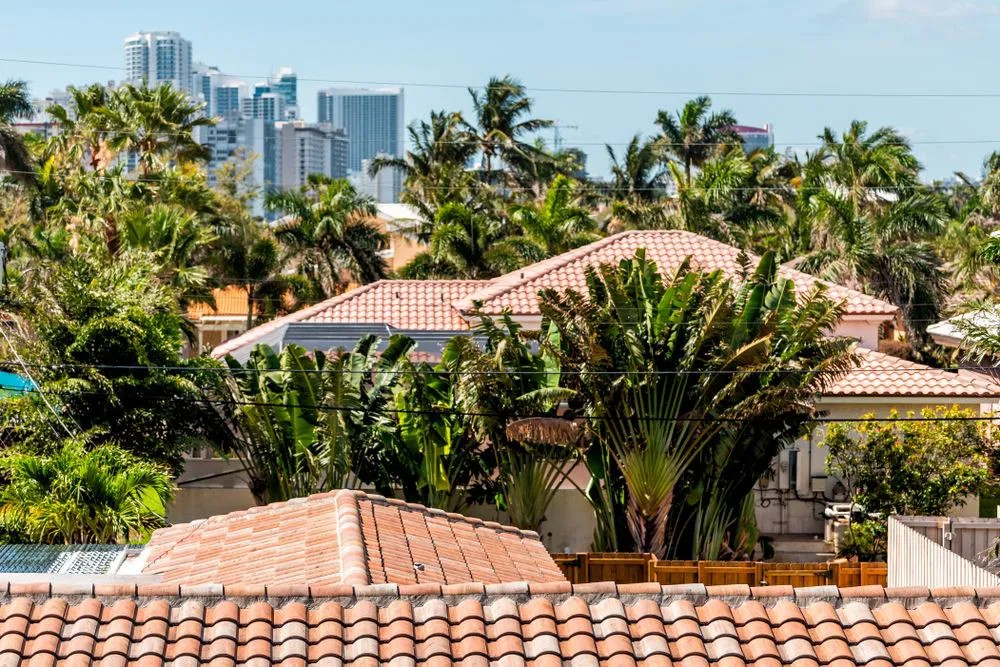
x=677, y=46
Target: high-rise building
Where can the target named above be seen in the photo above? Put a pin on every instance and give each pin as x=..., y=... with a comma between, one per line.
x=235, y=133
x=283, y=83
x=286, y=82
x=269, y=106
x=309, y=148
x=373, y=121
x=755, y=138
x=221, y=93
x=157, y=57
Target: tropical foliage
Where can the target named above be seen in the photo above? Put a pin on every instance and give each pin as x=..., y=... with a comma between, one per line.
x=80, y=496
x=691, y=388
x=674, y=387
x=923, y=467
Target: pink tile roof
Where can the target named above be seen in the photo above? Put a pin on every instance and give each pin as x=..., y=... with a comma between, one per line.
x=508, y=624
x=405, y=304
x=882, y=375
x=346, y=537
x=519, y=289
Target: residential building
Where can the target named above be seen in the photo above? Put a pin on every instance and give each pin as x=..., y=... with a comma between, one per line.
x=268, y=106
x=382, y=187
x=284, y=84
x=309, y=148
x=792, y=502
x=40, y=122
x=373, y=121
x=222, y=94
x=366, y=539
x=156, y=57
x=755, y=138
x=131, y=622
x=214, y=325
x=401, y=223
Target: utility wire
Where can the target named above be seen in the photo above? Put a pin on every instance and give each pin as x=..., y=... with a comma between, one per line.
x=521, y=415
x=507, y=372
x=598, y=186
x=549, y=89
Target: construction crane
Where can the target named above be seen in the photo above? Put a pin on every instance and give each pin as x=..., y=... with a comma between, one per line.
x=557, y=141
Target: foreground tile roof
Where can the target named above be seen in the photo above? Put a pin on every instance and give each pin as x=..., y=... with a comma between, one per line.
x=506, y=624
x=403, y=304
x=519, y=289
x=346, y=537
x=884, y=375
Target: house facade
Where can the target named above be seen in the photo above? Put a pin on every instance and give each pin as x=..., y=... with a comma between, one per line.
x=791, y=502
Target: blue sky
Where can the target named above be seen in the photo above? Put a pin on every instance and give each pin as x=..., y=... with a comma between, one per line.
x=710, y=46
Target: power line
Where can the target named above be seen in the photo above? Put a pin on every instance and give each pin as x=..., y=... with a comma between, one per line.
x=509, y=372
x=520, y=415
x=599, y=185
x=567, y=90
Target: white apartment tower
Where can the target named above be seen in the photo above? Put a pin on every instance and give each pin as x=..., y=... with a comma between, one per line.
x=157, y=57
x=373, y=121
x=309, y=148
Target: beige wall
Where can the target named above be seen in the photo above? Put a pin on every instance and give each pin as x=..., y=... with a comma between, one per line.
x=865, y=331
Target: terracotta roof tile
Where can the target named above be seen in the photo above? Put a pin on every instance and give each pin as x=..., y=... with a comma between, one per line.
x=519, y=289
x=884, y=375
x=366, y=626
x=344, y=537
x=403, y=304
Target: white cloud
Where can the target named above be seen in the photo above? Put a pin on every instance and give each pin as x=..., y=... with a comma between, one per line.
x=904, y=11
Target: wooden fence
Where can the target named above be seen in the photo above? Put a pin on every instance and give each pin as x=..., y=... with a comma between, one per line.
x=626, y=568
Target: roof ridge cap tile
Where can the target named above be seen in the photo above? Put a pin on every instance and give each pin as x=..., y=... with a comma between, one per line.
x=246, y=338
x=451, y=516
x=521, y=592
x=507, y=281
x=350, y=540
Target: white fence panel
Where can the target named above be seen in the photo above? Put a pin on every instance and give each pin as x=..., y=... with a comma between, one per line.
x=915, y=560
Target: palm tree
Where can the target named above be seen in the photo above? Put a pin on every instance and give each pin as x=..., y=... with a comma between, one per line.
x=694, y=134
x=155, y=123
x=636, y=187
x=247, y=254
x=80, y=139
x=435, y=168
x=874, y=169
x=15, y=158
x=471, y=244
x=328, y=232
x=638, y=175
x=873, y=223
x=657, y=364
x=75, y=496
x=557, y=224
x=501, y=122
x=179, y=241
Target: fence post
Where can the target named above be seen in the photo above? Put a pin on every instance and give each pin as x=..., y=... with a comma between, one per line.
x=758, y=573
x=651, y=568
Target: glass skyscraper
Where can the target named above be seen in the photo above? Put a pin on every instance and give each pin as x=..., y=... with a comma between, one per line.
x=373, y=120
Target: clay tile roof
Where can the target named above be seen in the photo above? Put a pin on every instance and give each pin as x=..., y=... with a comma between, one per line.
x=403, y=304
x=884, y=375
x=519, y=289
x=346, y=537
x=492, y=625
